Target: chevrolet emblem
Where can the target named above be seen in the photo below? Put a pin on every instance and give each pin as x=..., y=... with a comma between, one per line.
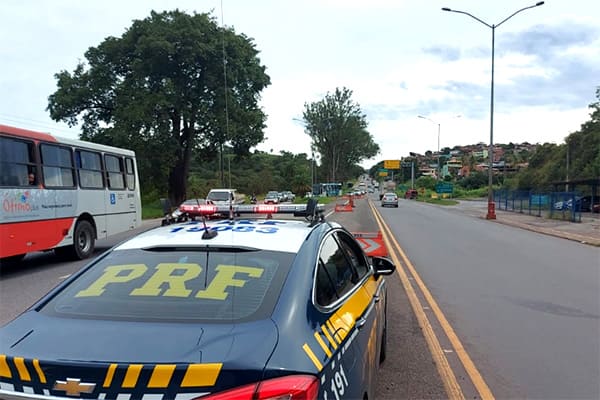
x=74, y=387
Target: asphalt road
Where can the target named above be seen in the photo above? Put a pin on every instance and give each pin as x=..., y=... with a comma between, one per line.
x=525, y=306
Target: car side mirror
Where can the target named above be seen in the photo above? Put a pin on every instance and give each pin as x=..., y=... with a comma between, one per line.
x=382, y=265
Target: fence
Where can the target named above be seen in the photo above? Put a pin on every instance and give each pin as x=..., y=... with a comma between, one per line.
x=555, y=205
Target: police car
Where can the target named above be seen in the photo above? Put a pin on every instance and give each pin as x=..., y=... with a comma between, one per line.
x=239, y=308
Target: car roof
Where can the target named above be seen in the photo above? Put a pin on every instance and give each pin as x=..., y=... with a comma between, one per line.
x=285, y=235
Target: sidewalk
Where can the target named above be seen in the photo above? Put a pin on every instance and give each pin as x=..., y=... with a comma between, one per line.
x=587, y=231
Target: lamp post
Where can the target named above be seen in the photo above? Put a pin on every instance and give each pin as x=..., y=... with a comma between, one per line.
x=438, y=147
x=491, y=213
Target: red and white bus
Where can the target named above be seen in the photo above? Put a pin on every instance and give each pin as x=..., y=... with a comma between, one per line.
x=63, y=194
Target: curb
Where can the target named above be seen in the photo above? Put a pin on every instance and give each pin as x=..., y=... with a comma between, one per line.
x=552, y=232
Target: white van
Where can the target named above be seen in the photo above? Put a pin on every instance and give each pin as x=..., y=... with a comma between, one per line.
x=224, y=196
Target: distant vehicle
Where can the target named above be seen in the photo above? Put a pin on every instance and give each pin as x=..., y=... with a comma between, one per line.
x=63, y=194
x=389, y=199
x=224, y=197
x=190, y=208
x=289, y=195
x=256, y=308
x=586, y=203
x=411, y=194
x=272, y=197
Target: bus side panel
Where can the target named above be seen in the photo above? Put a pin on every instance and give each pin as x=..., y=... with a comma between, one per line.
x=92, y=201
x=28, y=221
x=29, y=236
x=122, y=212
x=66, y=205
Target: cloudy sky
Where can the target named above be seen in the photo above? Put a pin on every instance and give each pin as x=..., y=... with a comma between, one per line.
x=401, y=58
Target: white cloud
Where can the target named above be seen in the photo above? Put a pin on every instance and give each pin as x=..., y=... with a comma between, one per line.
x=400, y=59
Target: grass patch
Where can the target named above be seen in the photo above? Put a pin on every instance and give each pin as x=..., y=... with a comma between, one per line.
x=441, y=202
x=152, y=210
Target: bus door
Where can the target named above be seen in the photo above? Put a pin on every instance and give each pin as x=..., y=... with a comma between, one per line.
x=92, y=191
x=121, y=210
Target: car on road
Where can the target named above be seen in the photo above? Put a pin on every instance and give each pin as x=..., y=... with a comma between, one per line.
x=588, y=203
x=253, y=308
x=225, y=197
x=411, y=194
x=389, y=199
x=289, y=195
x=272, y=197
x=191, y=208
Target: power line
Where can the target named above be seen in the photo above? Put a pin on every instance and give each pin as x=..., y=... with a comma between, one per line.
x=29, y=123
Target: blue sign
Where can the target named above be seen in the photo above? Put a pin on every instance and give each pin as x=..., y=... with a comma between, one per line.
x=113, y=198
x=539, y=200
x=444, y=187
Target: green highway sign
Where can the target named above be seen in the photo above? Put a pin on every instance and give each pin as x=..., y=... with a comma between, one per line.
x=444, y=187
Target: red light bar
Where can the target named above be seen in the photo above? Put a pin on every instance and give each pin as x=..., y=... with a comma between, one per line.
x=266, y=209
x=206, y=209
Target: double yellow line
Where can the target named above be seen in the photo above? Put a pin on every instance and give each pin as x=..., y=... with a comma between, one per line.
x=451, y=384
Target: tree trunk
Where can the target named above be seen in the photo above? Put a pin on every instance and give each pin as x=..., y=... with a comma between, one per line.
x=179, y=174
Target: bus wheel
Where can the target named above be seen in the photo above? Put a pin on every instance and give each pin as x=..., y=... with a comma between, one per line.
x=83, y=242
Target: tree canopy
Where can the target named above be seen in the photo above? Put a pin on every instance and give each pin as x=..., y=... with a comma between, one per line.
x=338, y=130
x=171, y=85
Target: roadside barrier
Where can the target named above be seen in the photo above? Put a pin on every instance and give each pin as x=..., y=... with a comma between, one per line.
x=346, y=205
x=372, y=243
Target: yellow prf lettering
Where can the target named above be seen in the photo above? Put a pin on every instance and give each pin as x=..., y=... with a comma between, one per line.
x=111, y=275
x=163, y=276
x=224, y=278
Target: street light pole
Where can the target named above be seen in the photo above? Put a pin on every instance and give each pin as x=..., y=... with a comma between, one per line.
x=438, y=144
x=491, y=213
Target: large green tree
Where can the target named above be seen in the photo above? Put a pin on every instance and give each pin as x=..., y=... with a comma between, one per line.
x=171, y=85
x=338, y=130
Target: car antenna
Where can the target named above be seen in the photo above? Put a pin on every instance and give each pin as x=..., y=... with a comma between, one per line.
x=208, y=233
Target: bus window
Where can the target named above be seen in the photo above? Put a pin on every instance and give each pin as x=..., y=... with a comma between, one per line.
x=89, y=164
x=114, y=168
x=57, y=166
x=17, y=161
x=130, y=171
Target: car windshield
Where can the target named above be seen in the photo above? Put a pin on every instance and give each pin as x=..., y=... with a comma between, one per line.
x=218, y=196
x=193, y=202
x=218, y=285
